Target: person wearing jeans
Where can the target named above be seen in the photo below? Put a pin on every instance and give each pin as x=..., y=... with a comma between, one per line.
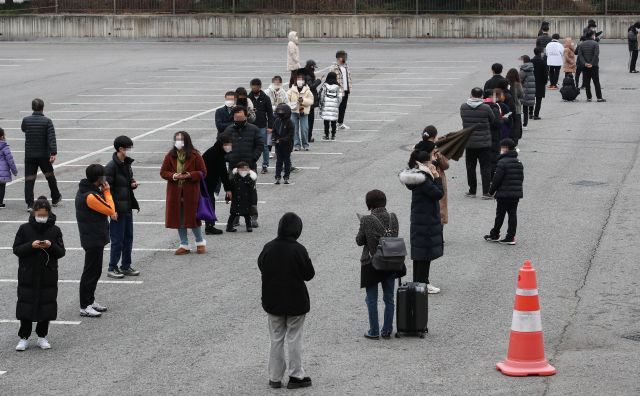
x=301, y=100
x=264, y=118
x=343, y=73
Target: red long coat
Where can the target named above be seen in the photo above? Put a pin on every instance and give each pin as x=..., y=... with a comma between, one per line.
x=188, y=192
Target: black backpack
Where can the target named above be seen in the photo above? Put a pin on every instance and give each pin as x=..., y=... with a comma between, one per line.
x=569, y=91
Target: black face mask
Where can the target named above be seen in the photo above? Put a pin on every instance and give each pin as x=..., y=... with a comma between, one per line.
x=242, y=102
x=240, y=124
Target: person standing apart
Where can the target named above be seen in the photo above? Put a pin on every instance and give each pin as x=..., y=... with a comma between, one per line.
x=632, y=38
x=542, y=76
x=119, y=175
x=285, y=266
x=264, y=119
x=40, y=150
x=182, y=168
x=589, y=54
x=343, y=74
x=528, y=81
x=224, y=115
x=568, y=58
x=554, y=51
x=7, y=166
x=331, y=96
x=301, y=100
x=293, y=57
x=38, y=245
x=94, y=205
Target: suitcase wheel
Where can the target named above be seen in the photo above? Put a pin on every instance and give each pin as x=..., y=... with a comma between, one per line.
x=397, y=335
x=421, y=335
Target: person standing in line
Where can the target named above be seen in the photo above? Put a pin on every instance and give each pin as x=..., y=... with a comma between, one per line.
x=543, y=37
x=579, y=66
x=590, y=30
x=242, y=100
x=244, y=196
x=528, y=80
x=7, y=166
x=94, y=205
x=293, y=57
x=313, y=83
x=568, y=58
x=119, y=175
x=543, y=27
x=278, y=96
x=182, y=168
x=343, y=73
x=495, y=81
x=589, y=54
x=301, y=100
x=38, y=245
x=378, y=224
x=428, y=144
x=424, y=182
x=283, y=131
x=40, y=150
x=542, y=76
x=216, y=163
x=474, y=112
x=632, y=38
x=554, y=51
x=331, y=95
x=285, y=266
x=517, y=92
x=490, y=99
x=224, y=115
x=264, y=119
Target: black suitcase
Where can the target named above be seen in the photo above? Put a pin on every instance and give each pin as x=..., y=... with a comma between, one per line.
x=412, y=309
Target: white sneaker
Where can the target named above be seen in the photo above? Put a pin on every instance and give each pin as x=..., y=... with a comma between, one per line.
x=98, y=307
x=432, y=289
x=22, y=345
x=90, y=312
x=343, y=126
x=43, y=343
x=272, y=155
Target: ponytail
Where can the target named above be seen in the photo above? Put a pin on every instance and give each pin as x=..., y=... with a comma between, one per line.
x=418, y=156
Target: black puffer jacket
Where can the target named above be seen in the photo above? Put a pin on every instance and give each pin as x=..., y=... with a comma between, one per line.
x=528, y=84
x=216, y=163
x=507, y=181
x=120, y=176
x=477, y=113
x=263, y=108
x=247, y=144
x=589, y=52
x=244, y=195
x=543, y=40
x=39, y=136
x=495, y=82
x=38, y=270
x=632, y=38
x=283, y=128
x=92, y=226
x=285, y=266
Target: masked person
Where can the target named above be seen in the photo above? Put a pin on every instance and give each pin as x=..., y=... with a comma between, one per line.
x=300, y=101
x=283, y=131
x=264, y=118
x=242, y=99
x=224, y=115
x=331, y=95
x=216, y=163
x=293, y=57
x=343, y=73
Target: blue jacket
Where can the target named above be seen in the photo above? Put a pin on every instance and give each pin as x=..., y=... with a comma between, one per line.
x=224, y=118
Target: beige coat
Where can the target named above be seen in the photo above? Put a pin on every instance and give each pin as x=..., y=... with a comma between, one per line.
x=293, y=52
x=568, y=58
x=307, y=99
x=444, y=202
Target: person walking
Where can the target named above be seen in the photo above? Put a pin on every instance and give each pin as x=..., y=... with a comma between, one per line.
x=94, y=205
x=301, y=100
x=424, y=182
x=343, y=73
x=40, y=151
x=331, y=95
x=378, y=224
x=474, y=112
x=119, y=175
x=224, y=114
x=313, y=83
x=293, y=57
x=632, y=38
x=182, y=168
x=589, y=55
x=264, y=119
x=528, y=80
x=429, y=137
x=554, y=51
x=568, y=58
x=285, y=266
x=517, y=93
x=7, y=166
x=283, y=132
x=216, y=163
x=541, y=74
x=38, y=245
x=497, y=78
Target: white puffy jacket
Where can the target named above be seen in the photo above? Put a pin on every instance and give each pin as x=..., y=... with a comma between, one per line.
x=554, y=52
x=330, y=99
x=293, y=53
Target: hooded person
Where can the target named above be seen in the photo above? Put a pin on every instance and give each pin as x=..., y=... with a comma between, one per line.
x=331, y=94
x=282, y=137
x=216, y=163
x=293, y=57
x=313, y=83
x=285, y=267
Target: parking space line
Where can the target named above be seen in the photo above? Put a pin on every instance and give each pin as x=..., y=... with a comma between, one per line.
x=10, y=65
x=116, y=119
x=107, y=248
x=139, y=200
x=124, y=282
x=54, y=322
x=125, y=103
x=164, y=95
x=121, y=111
x=75, y=222
x=313, y=153
x=107, y=129
x=21, y=59
x=2, y=372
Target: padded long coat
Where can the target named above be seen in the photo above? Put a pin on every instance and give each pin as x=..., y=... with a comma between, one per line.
x=188, y=192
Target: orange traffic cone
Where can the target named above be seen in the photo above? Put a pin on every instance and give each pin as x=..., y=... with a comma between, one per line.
x=526, y=344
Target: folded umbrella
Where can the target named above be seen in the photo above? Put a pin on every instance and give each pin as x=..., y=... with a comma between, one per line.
x=452, y=144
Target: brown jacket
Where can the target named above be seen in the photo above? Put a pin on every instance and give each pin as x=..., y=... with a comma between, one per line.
x=569, y=61
x=186, y=193
x=444, y=165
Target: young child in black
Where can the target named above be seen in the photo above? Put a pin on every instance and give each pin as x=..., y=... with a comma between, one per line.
x=244, y=195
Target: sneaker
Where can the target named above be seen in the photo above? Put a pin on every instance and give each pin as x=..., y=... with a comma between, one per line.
x=56, y=202
x=537, y=118
x=524, y=128
x=264, y=170
x=325, y=137
x=286, y=181
x=295, y=383
x=432, y=289
x=275, y=384
x=115, y=273
x=333, y=137
x=589, y=100
x=491, y=238
x=231, y=229
x=277, y=181
x=182, y=251
x=312, y=140
x=2, y=206
x=469, y=195
x=306, y=149
x=272, y=155
x=90, y=312
x=43, y=343
x=371, y=337
x=601, y=100
x=98, y=307
x=486, y=196
x=343, y=126
x=129, y=271
x=507, y=241
x=254, y=222
x=386, y=336
x=22, y=345
x=249, y=229
x=201, y=247
x=212, y=231
x=296, y=149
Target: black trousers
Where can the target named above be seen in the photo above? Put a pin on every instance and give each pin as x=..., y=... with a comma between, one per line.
x=31, y=166
x=234, y=220
x=90, y=275
x=326, y=127
x=592, y=74
x=3, y=186
x=527, y=111
x=310, y=119
x=536, y=111
x=343, y=107
x=421, y=271
x=211, y=224
x=506, y=206
x=634, y=60
x=472, y=157
x=554, y=75
x=42, y=329
x=579, y=70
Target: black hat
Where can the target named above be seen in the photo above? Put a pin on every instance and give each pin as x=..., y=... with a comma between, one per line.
x=311, y=63
x=509, y=143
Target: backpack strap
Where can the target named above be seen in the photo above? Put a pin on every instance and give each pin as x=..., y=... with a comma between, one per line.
x=387, y=230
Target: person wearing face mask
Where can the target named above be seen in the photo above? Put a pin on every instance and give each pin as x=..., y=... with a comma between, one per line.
x=506, y=187
x=216, y=163
x=300, y=101
x=94, y=205
x=428, y=144
x=293, y=57
x=313, y=83
x=278, y=96
x=342, y=71
x=330, y=98
x=182, y=168
x=242, y=99
x=119, y=175
x=224, y=115
x=244, y=196
x=38, y=245
x=423, y=180
x=283, y=131
x=264, y=118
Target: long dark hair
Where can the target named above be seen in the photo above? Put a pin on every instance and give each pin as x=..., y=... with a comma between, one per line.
x=42, y=203
x=418, y=156
x=188, y=144
x=513, y=76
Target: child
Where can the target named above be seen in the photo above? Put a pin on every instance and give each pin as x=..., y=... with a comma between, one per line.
x=244, y=195
x=7, y=166
x=330, y=98
x=283, y=130
x=507, y=187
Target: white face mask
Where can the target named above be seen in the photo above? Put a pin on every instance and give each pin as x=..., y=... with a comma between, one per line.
x=227, y=148
x=300, y=83
x=243, y=173
x=179, y=144
x=503, y=151
x=41, y=219
x=229, y=103
x=277, y=87
x=128, y=151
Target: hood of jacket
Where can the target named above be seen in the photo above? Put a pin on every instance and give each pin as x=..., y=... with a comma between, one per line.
x=290, y=226
x=413, y=177
x=253, y=175
x=283, y=108
x=293, y=36
x=3, y=144
x=475, y=102
x=527, y=67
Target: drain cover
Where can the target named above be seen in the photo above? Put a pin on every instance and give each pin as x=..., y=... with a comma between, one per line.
x=588, y=183
x=632, y=337
x=628, y=88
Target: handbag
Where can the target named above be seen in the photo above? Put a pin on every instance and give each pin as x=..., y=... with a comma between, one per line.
x=205, y=210
x=390, y=252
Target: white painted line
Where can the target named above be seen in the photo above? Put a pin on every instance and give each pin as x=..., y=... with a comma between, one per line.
x=124, y=282
x=116, y=119
x=108, y=248
x=389, y=97
x=55, y=322
x=2, y=372
x=10, y=65
x=339, y=141
x=140, y=200
x=121, y=111
x=313, y=153
x=100, y=153
x=75, y=222
x=355, y=62
x=164, y=96
x=76, y=181
x=22, y=59
x=125, y=103
x=109, y=129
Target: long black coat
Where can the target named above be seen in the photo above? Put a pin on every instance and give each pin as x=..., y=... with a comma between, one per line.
x=216, y=164
x=285, y=266
x=426, y=226
x=508, y=178
x=245, y=195
x=37, y=273
x=120, y=176
x=541, y=74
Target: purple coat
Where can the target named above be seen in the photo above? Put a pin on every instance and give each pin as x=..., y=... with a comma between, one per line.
x=7, y=165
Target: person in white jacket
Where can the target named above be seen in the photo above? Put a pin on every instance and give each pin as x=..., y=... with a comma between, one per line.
x=293, y=57
x=300, y=101
x=554, y=51
x=330, y=98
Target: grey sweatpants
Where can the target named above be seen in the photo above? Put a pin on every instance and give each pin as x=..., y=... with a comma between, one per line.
x=289, y=328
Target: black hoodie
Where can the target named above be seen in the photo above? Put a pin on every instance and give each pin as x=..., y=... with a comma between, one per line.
x=283, y=128
x=285, y=266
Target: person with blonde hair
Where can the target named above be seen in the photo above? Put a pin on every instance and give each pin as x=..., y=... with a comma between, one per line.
x=568, y=58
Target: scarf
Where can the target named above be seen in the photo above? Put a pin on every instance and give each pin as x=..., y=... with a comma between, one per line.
x=182, y=157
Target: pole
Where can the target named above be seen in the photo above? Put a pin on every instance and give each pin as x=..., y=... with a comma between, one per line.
x=542, y=9
x=114, y=7
x=294, y=6
x=479, y=7
x=355, y=7
x=606, y=7
x=173, y=7
x=417, y=7
x=56, y=6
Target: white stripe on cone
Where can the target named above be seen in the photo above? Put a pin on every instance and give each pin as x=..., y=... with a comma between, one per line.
x=526, y=292
x=526, y=321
